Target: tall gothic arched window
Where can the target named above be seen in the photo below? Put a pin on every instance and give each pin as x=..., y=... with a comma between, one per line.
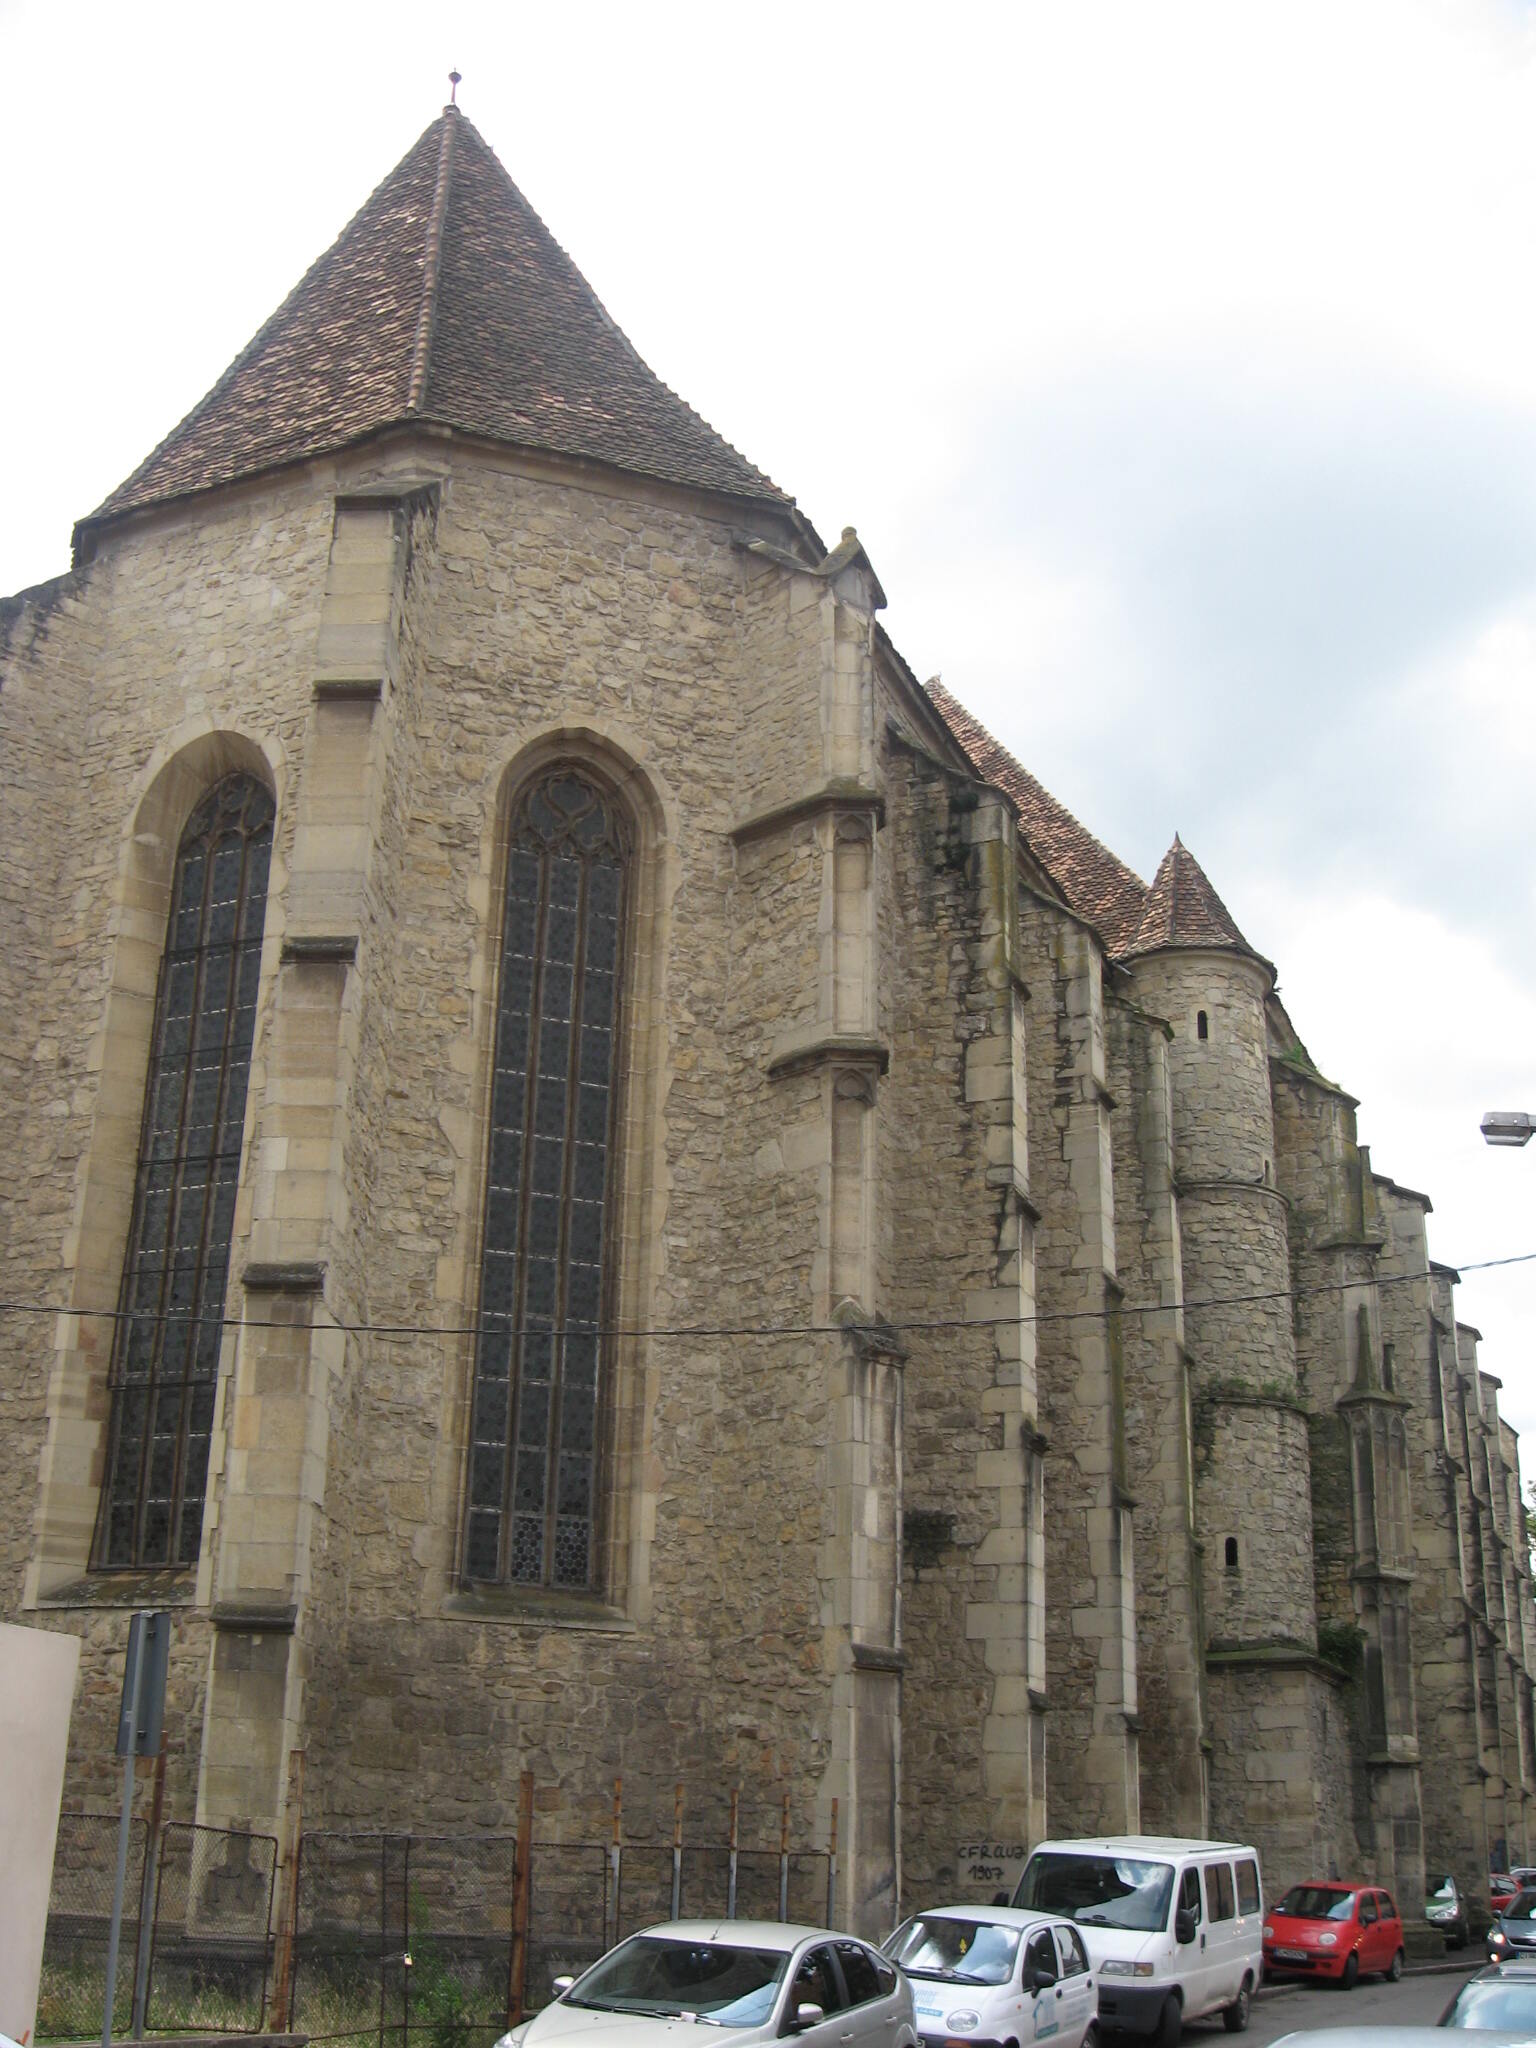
x=536, y=1419
x=165, y=1352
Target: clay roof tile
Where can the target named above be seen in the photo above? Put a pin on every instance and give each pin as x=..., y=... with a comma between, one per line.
x=445, y=299
x=1182, y=909
x=1095, y=884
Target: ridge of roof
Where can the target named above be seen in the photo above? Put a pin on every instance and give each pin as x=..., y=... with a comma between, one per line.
x=1183, y=909
x=432, y=265
x=444, y=299
x=1096, y=883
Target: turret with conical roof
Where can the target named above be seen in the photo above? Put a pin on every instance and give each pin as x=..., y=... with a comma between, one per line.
x=1191, y=964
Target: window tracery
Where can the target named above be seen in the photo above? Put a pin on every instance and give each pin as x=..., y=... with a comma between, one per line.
x=165, y=1352
x=537, y=1408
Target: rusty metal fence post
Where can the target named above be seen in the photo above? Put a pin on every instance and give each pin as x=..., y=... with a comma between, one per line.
x=784, y=1861
x=615, y=1870
x=407, y=1960
x=832, y=1869
x=735, y=1849
x=288, y=1897
x=149, y=1889
x=677, y=1853
x=522, y=1872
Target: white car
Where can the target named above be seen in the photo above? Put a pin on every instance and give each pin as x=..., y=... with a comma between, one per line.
x=998, y=1977
x=761, y=1979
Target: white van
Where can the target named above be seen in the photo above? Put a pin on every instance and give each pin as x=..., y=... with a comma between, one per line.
x=1174, y=1929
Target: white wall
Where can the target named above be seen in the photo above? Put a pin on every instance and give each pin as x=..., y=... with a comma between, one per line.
x=37, y=1689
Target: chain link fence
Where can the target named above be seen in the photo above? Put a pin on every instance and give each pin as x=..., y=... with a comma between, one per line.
x=412, y=1938
x=73, y=1990
x=209, y=1893
x=403, y=1939
x=211, y=1960
x=404, y=1934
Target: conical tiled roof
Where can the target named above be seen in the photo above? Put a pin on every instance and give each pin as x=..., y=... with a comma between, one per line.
x=444, y=300
x=1094, y=882
x=1182, y=909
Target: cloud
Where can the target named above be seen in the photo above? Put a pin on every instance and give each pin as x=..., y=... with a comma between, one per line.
x=1430, y=1024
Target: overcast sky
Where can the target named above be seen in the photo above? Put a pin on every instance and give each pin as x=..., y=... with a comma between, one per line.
x=1176, y=363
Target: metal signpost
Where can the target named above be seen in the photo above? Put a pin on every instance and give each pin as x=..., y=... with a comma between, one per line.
x=138, y=1734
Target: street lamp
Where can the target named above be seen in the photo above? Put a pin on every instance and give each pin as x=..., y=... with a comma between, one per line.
x=1508, y=1126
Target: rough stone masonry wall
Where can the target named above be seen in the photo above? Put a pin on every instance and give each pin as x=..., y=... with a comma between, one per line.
x=48, y=659
x=558, y=608
x=1455, y=1824
x=1159, y=1453
x=1333, y=1267
x=180, y=630
x=967, y=1407
x=1090, y=1610
x=1252, y=1464
x=1336, y=1317
x=1236, y=1279
x=1280, y=1773
x=1445, y=1734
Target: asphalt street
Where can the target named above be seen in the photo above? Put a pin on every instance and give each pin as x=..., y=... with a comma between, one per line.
x=1418, y=2000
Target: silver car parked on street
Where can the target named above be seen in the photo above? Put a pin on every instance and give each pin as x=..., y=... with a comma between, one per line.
x=757, y=1980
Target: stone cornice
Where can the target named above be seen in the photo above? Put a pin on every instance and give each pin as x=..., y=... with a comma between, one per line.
x=347, y=686
x=1272, y=1656
x=292, y=1276
x=877, y=1657
x=829, y=1049
x=840, y=799
x=323, y=948
x=1204, y=1184
x=255, y=1617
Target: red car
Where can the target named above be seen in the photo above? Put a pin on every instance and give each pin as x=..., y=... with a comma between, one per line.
x=1339, y=1931
x=1500, y=1888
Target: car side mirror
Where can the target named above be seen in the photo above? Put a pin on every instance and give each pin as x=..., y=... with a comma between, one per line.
x=1041, y=1979
x=560, y=1985
x=806, y=2015
x=1184, y=1925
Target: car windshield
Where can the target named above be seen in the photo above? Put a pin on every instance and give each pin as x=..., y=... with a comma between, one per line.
x=961, y=1951
x=1441, y=1888
x=1100, y=1891
x=1317, y=1902
x=1520, y=1907
x=710, y=1980
x=1494, y=2003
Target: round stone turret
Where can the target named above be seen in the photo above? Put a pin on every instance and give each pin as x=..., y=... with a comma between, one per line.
x=1192, y=966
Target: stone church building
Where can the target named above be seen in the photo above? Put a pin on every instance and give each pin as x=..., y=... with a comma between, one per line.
x=598, y=1181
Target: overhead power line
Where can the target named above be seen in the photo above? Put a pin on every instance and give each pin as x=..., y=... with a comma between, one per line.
x=492, y=1320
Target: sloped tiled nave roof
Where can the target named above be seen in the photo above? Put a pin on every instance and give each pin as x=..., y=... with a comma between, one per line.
x=1096, y=884
x=445, y=300
x=1180, y=909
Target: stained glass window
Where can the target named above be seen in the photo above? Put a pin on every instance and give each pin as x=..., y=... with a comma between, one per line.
x=171, y=1307
x=532, y=1506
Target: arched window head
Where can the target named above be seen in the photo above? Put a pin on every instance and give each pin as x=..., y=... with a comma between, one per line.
x=546, y=1268
x=171, y=1306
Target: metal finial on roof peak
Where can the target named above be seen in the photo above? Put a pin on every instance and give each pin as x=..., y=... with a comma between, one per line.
x=455, y=80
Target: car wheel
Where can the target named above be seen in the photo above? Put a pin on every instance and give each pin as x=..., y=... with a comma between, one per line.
x=1170, y=2024
x=1351, y=1973
x=1235, y=2017
x=1395, y=1974
x=1091, y=2037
